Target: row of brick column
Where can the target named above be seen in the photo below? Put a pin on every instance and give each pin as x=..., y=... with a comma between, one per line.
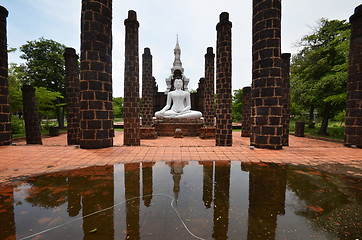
x=96, y=101
x=5, y=119
x=223, y=135
x=147, y=89
x=131, y=82
x=72, y=92
x=266, y=121
x=353, y=123
x=209, y=101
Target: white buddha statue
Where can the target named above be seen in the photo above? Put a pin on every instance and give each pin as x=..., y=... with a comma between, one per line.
x=181, y=104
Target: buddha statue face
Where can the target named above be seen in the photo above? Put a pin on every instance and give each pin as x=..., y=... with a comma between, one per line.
x=178, y=83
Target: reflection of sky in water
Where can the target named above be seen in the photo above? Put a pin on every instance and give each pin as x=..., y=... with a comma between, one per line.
x=214, y=200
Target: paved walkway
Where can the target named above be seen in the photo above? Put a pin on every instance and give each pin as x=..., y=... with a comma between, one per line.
x=54, y=155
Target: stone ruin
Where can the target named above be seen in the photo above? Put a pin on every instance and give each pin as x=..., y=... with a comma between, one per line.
x=265, y=104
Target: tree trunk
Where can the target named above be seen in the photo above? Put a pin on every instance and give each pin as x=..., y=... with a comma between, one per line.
x=311, y=117
x=323, y=129
x=60, y=118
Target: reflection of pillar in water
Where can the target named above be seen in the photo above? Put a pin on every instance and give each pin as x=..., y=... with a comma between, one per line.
x=75, y=185
x=207, y=182
x=176, y=171
x=98, y=194
x=147, y=183
x=267, y=185
x=7, y=223
x=132, y=193
x=221, y=200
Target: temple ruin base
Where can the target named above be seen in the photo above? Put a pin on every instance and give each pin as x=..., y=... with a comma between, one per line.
x=207, y=133
x=148, y=133
x=168, y=126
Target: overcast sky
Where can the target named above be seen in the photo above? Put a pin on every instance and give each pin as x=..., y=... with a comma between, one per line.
x=160, y=21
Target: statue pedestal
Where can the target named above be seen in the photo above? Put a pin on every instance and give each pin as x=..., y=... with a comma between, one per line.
x=148, y=133
x=168, y=126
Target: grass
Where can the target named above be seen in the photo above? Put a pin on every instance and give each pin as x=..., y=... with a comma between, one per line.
x=334, y=130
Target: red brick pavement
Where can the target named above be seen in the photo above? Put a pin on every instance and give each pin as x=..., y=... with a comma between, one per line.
x=54, y=155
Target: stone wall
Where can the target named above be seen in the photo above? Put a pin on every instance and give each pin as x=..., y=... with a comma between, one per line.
x=31, y=117
x=131, y=82
x=72, y=92
x=266, y=126
x=223, y=134
x=147, y=88
x=245, y=126
x=5, y=119
x=209, y=113
x=96, y=101
x=286, y=97
x=353, y=125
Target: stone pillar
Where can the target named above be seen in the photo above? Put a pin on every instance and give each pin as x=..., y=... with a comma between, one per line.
x=299, y=129
x=353, y=125
x=209, y=113
x=96, y=102
x=72, y=90
x=201, y=95
x=5, y=118
x=266, y=125
x=286, y=97
x=31, y=117
x=246, y=127
x=131, y=82
x=223, y=82
x=147, y=89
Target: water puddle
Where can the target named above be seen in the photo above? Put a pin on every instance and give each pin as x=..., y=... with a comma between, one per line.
x=195, y=200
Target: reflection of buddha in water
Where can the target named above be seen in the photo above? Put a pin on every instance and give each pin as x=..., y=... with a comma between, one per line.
x=181, y=104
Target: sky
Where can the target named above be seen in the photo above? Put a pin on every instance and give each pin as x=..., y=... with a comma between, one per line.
x=194, y=21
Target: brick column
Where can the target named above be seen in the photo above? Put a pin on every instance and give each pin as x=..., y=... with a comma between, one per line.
x=96, y=102
x=31, y=117
x=209, y=113
x=286, y=97
x=5, y=119
x=223, y=82
x=266, y=125
x=201, y=96
x=72, y=90
x=131, y=82
x=353, y=126
x=246, y=127
x=147, y=89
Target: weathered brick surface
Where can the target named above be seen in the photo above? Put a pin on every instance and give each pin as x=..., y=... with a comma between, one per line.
x=201, y=96
x=131, y=82
x=148, y=133
x=209, y=113
x=286, y=97
x=299, y=129
x=31, y=117
x=223, y=135
x=266, y=122
x=5, y=120
x=245, y=126
x=147, y=88
x=167, y=126
x=96, y=103
x=353, y=124
x=72, y=90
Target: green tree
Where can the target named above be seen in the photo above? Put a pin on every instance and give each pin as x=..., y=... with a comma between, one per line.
x=45, y=99
x=237, y=105
x=319, y=70
x=45, y=68
x=118, y=107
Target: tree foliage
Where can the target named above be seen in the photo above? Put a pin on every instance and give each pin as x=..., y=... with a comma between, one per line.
x=44, y=64
x=237, y=104
x=118, y=107
x=319, y=70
